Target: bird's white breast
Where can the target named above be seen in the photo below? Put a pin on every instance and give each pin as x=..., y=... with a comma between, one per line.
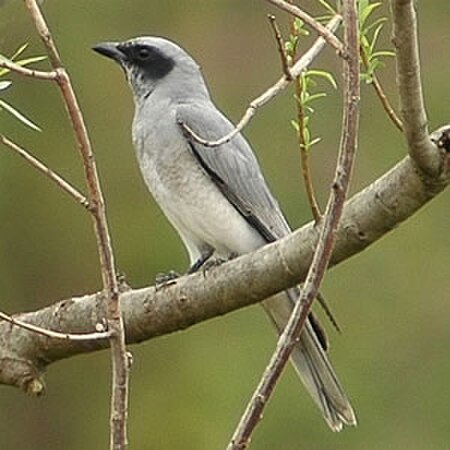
x=187, y=195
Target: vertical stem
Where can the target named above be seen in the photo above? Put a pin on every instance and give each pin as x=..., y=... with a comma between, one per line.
x=325, y=244
x=304, y=154
x=409, y=80
x=120, y=363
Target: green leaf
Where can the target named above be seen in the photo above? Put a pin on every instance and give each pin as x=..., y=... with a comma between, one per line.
x=313, y=97
x=4, y=85
x=315, y=141
x=374, y=24
x=383, y=53
x=365, y=10
x=18, y=115
x=19, y=51
x=323, y=74
x=31, y=60
x=307, y=135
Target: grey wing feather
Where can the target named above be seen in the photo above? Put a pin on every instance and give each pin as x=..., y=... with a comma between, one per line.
x=234, y=168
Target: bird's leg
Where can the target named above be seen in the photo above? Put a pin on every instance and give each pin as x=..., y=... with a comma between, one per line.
x=164, y=279
x=201, y=261
x=217, y=261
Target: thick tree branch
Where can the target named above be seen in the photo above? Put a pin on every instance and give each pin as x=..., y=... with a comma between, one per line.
x=415, y=120
x=148, y=313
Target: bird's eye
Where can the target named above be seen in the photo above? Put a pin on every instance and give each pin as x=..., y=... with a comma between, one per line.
x=143, y=53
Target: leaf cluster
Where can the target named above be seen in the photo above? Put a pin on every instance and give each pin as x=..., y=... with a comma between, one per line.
x=6, y=84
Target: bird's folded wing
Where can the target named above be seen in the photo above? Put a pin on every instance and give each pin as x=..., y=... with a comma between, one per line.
x=233, y=168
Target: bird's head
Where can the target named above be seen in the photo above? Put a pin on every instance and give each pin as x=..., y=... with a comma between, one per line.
x=154, y=63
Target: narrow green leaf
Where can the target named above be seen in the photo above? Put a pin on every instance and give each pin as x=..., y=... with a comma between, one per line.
x=294, y=123
x=19, y=51
x=313, y=97
x=315, y=141
x=18, y=115
x=31, y=60
x=383, y=53
x=4, y=85
x=366, y=12
x=323, y=74
x=374, y=24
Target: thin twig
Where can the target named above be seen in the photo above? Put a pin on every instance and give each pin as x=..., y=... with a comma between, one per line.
x=322, y=254
x=415, y=121
x=323, y=31
x=120, y=357
x=37, y=74
x=280, y=45
x=63, y=184
x=302, y=64
x=304, y=152
x=55, y=334
x=305, y=159
x=375, y=82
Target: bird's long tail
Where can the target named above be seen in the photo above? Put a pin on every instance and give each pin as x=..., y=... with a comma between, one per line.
x=312, y=365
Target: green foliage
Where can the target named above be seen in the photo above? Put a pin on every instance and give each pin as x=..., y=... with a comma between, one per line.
x=290, y=46
x=306, y=99
x=308, y=83
x=5, y=84
x=369, y=34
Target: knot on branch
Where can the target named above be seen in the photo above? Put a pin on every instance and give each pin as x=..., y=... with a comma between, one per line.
x=22, y=374
x=441, y=138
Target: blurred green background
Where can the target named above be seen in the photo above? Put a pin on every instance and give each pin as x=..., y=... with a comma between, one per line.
x=189, y=389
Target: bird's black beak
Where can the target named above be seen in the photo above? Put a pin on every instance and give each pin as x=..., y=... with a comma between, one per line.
x=110, y=50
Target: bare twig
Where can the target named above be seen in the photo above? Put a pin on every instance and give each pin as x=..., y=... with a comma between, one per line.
x=55, y=334
x=323, y=31
x=375, y=82
x=302, y=64
x=63, y=184
x=120, y=360
x=37, y=74
x=325, y=245
x=280, y=45
x=409, y=81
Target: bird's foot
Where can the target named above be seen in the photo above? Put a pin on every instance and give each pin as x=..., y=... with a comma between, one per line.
x=166, y=279
x=218, y=261
x=122, y=281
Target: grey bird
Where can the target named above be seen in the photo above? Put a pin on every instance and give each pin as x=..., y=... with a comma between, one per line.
x=216, y=198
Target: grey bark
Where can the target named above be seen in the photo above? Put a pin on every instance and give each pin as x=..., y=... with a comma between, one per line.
x=151, y=312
